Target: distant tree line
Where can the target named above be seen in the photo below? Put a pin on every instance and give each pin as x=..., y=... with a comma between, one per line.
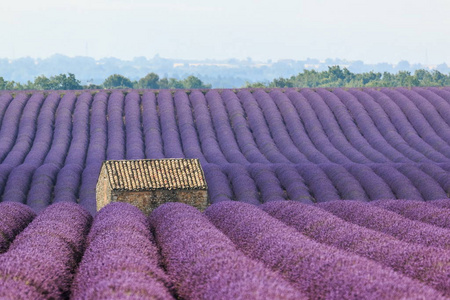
x=116, y=81
x=337, y=77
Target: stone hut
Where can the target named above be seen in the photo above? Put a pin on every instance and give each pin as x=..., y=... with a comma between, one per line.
x=148, y=183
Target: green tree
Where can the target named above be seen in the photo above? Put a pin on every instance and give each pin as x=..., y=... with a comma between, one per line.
x=42, y=83
x=68, y=82
x=150, y=81
x=3, y=83
x=406, y=79
x=175, y=84
x=440, y=79
x=192, y=82
x=58, y=82
x=93, y=86
x=255, y=85
x=281, y=82
x=163, y=83
x=117, y=81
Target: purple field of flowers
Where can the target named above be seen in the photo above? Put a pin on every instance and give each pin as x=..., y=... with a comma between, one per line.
x=278, y=164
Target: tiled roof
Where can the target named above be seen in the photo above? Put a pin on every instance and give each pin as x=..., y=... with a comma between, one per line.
x=150, y=174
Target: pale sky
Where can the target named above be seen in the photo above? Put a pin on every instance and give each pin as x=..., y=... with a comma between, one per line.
x=372, y=31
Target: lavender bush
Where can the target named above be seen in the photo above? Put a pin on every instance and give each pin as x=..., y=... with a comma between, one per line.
x=210, y=266
x=241, y=128
x=391, y=223
x=42, y=259
x=321, y=271
x=417, y=210
x=226, y=139
x=121, y=260
x=427, y=264
x=14, y=217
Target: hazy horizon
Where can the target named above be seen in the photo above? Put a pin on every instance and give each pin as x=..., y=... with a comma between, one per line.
x=375, y=32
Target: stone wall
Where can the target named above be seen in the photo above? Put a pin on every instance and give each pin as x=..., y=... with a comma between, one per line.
x=103, y=190
x=147, y=201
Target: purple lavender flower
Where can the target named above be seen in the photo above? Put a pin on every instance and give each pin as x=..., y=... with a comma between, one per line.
x=389, y=222
x=14, y=217
x=205, y=264
x=417, y=210
x=121, y=258
x=45, y=255
x=321, y=271
x=442, y=203
x=427, y=264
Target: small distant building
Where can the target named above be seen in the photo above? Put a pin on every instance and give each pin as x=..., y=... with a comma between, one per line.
x=148, y=183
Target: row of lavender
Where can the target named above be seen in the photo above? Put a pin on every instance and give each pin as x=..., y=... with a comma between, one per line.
x=253, y=183
x=276, y=127
x=261, y=183
x=389, y=249
x=305, y=145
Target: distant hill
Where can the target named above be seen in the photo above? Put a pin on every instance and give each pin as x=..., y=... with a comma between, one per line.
x=219, y=73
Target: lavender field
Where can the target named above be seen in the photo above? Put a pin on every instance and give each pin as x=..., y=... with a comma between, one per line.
x=278, y=164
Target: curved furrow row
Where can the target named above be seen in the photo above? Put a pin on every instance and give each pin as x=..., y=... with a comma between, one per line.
x=331, y=127
x=116, y=133
x=26, y=131
x=379, y=219
x=225, y=135
x=349, y=128
x=205, y=129
x=387, y=129
x=428, y=187
x=349, y=188
x=277, y=129
x=10, y=124
x=374, y=185
x=186, y=125
x=69, y=177
x=417, y=210
x=320, y=186
x=64, y=134
x=151, y=127
x=439, y=98
x=417, y=118
x=294, y=185
x=424, y=109
x=69, y=144
x=242, y=184
x=169, y=129
x=96, y=152
x=5, y=101
x=259, y=128
x=133, y=126
x=20, y=178
x=14, y=218
x=41, y=261
x=320, y=183
x=342, y=274
x=18, y=174
x=400, y=185
x=427, y=264
x=267, y=182
x=121, y=259
x=314, y=128
x=241, y=129
x=404, y=127
x=295, y=128
x=207, y=252
x=365, y=124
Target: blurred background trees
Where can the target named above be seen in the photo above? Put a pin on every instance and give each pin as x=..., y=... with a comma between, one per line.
x=335, y=76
